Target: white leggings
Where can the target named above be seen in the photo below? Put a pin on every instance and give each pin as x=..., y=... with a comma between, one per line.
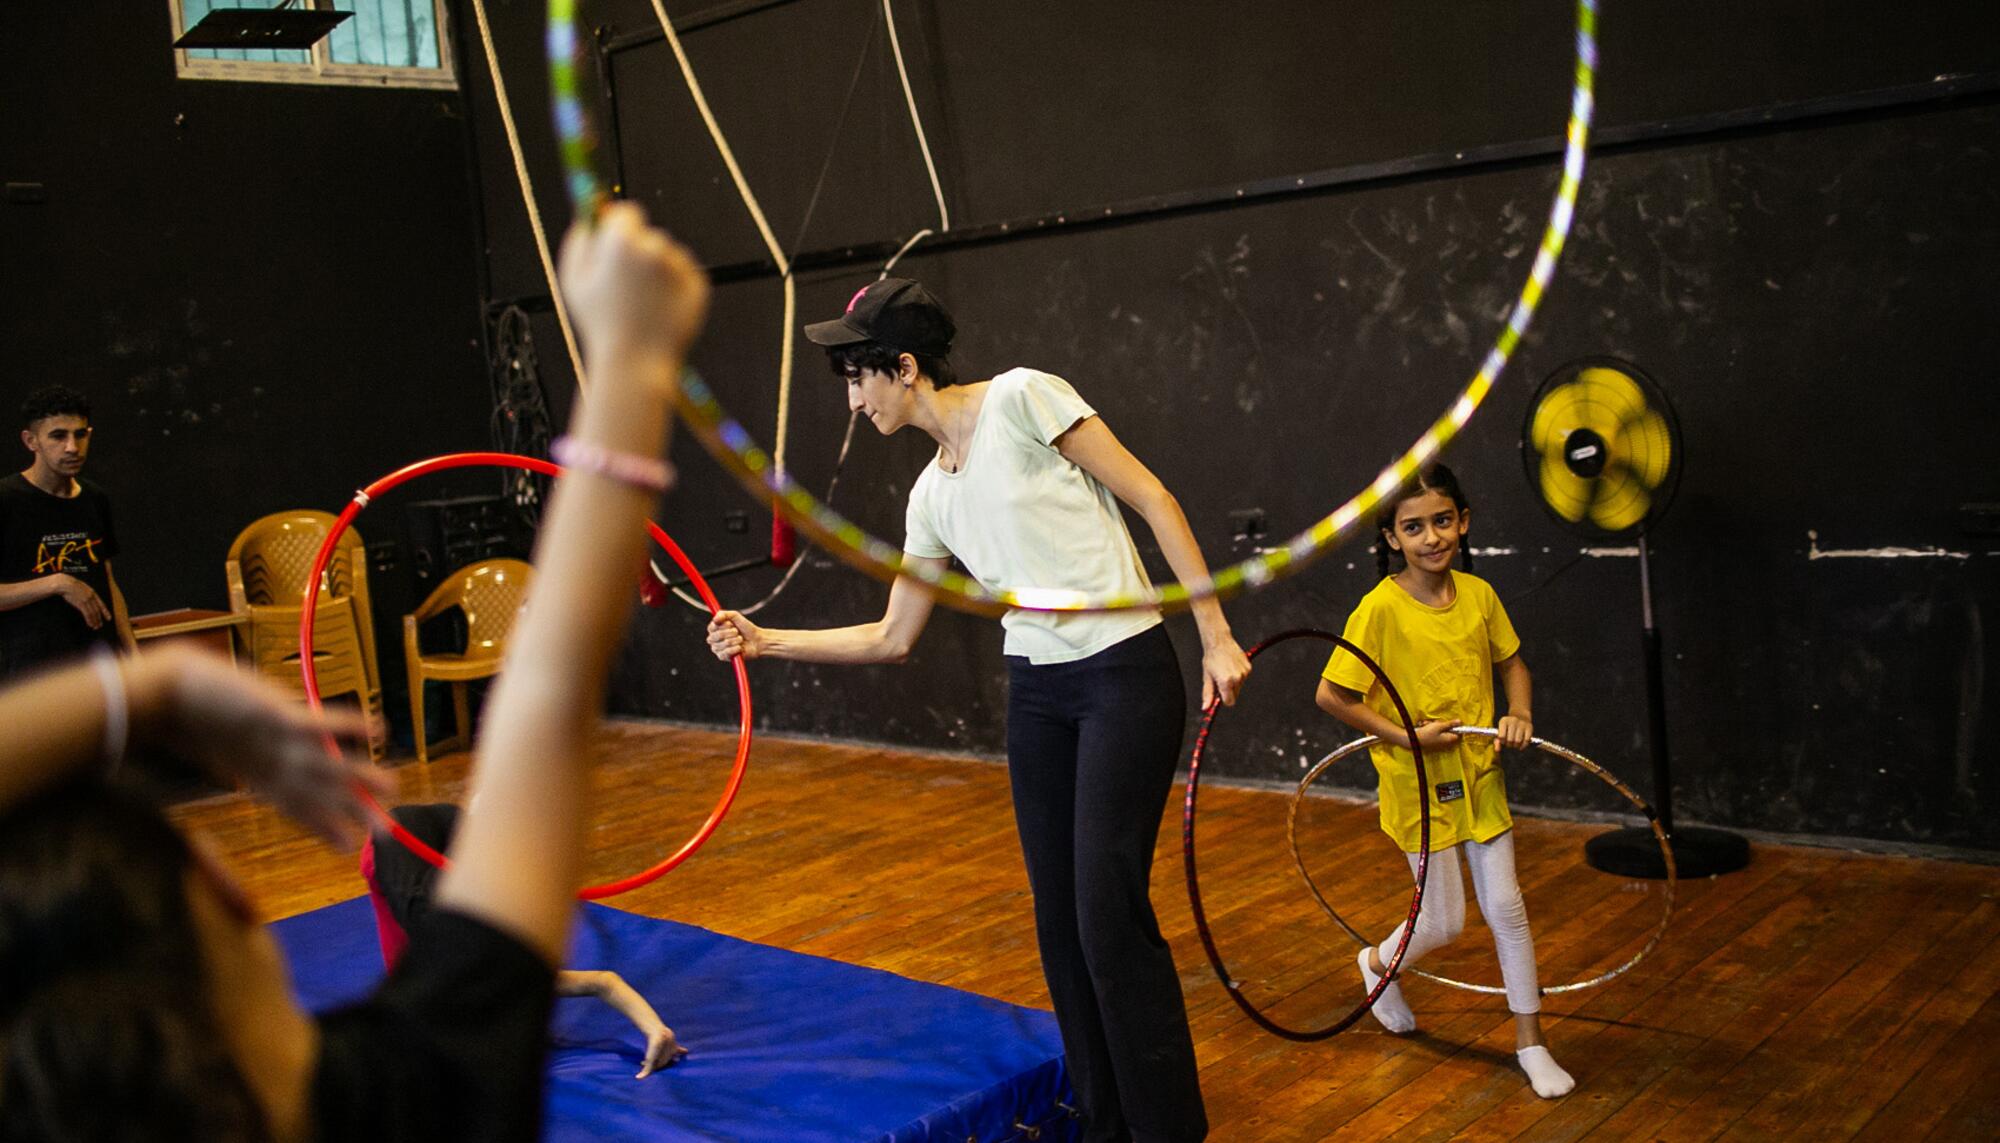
x=1443, y=915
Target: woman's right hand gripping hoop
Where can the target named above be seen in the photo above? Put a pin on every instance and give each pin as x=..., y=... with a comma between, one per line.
x=1229, y=983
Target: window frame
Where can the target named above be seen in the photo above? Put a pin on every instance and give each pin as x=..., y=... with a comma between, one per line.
x=319, y=69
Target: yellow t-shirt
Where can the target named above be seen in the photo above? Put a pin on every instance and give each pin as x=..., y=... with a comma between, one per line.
x=1441, y=661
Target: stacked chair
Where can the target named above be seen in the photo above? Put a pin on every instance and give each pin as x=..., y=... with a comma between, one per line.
x=267, y=570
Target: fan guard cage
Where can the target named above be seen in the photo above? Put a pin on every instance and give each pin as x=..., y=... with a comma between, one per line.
x=1602, y=448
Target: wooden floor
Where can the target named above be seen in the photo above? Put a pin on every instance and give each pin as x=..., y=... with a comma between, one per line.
x=1817, y=995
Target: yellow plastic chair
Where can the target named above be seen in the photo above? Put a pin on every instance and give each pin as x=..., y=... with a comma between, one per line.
x=490, y=593
x=267, y=568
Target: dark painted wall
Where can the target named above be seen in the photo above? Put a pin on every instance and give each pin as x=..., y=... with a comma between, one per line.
x=1817, y=299
x=271, y=292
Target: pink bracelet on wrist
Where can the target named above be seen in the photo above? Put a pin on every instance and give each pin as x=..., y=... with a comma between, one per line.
x=647, y=473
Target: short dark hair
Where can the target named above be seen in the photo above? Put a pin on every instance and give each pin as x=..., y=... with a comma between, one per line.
x=850, y=360
x=53, y=401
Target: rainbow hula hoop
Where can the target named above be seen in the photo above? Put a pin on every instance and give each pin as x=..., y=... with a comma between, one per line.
x=738, y=452
x=1388, y=976
x=389, y=825
x=1547, y=747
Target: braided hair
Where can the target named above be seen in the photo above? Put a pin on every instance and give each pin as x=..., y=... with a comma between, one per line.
x=1433, y=477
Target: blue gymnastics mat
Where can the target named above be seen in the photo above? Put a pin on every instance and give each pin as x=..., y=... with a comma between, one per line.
x=783, y=1047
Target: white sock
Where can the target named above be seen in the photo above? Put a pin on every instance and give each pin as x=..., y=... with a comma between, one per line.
x=1389, y=1008
x=1551, y=1082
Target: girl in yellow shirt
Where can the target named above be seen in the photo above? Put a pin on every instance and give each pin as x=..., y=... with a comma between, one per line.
x=1442, y=636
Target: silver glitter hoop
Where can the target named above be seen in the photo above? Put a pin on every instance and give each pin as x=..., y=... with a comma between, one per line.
x=1546, y=747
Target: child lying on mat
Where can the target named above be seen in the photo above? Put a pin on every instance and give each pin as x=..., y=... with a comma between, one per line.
x=400, y=885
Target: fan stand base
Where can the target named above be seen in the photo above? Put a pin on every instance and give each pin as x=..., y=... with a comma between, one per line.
x=1698, y=852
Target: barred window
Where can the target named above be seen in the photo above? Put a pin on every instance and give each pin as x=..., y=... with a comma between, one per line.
x=385, y=43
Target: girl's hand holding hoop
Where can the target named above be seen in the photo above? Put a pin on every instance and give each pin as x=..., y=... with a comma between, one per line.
x=1515, y=731
x=1437, y=733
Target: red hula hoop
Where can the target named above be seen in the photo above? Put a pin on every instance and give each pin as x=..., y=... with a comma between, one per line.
x=534, y=464
x=1229, y=983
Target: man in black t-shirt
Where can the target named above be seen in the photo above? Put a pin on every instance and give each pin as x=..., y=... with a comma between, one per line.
x=58, y=597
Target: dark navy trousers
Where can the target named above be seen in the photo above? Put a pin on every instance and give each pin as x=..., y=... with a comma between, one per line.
x=1091, y=750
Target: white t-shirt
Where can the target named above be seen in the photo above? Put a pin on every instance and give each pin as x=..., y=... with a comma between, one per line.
x=1018, y=515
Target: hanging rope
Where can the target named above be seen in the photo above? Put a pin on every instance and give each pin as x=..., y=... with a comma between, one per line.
x=777, y=253
x=696, y=602
x=527, y=190
x=919, y=236
x=923, y=144
x=784, y=260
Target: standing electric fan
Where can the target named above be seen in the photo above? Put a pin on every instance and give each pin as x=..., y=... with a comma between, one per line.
x=1603, y=451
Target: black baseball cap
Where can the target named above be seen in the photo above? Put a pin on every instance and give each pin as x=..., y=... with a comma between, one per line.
x=894, y=312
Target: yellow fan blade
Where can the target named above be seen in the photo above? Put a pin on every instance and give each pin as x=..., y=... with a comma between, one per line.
x=1590, y=413
x=1565, y=491
x=1554, y=418
x=1612, y=391
x=1566, y=409
x=1621, y=500
x=1624, y=514
x=1645, y=445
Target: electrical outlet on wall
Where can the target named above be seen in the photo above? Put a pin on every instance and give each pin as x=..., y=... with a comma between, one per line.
x=1979, y=519
x=384, y=555
x=1247, y=527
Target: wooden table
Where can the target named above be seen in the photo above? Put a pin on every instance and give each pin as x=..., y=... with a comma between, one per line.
x=216, y=631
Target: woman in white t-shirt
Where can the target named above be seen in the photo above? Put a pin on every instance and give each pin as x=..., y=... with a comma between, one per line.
x=1024, y=491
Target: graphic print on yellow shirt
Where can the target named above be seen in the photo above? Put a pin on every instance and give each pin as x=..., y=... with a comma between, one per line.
x=1441, y=661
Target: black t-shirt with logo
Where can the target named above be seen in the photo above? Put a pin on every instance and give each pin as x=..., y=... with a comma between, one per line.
x=40, y=535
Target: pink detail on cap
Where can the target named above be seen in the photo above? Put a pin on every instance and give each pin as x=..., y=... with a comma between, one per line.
x=854, y=299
